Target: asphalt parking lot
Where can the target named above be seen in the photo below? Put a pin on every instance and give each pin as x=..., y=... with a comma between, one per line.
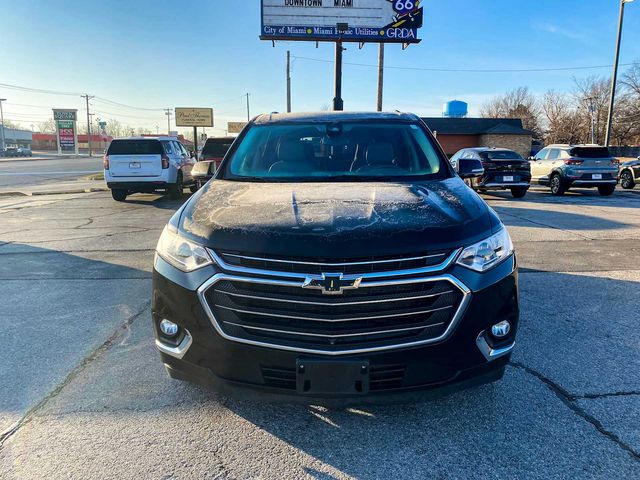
x=84, y=395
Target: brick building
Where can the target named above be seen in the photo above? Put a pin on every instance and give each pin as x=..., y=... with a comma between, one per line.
x=457, y=133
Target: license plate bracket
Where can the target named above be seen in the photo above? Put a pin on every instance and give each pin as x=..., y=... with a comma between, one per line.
x=331, y=377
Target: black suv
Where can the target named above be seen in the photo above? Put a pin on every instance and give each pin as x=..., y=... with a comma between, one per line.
x=503, y=169
x=336, y=257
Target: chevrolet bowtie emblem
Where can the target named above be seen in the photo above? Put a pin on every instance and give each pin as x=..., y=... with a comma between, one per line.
x=332, y=283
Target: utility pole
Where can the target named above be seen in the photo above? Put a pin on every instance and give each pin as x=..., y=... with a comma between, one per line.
x=380, y=74
x=87, y=97
x=338, y=104
x=167, y=112
x=248, y=113
x=614, y=78
x=592, y=110
x=2, y=124
x=288, y=81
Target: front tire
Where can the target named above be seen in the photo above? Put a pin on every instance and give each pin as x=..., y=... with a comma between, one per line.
x=519, y=192
x=606, y=190
x=557, y=186
x=119, y=195
x=626, y=180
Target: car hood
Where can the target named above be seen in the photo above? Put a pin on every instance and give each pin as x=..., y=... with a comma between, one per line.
x=337, y=220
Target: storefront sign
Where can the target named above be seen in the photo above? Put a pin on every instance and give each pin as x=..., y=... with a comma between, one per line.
x=235, y=127
x=194, y=117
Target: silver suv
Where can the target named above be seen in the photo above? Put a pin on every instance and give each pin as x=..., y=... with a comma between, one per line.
x=562, y=167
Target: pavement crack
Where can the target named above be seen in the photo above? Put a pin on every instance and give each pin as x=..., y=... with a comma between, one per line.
x=84, y=363
x=569, y=401
x=595, y=396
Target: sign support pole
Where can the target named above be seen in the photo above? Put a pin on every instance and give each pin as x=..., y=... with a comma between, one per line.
x=58, y=137
x=338, y=104
x=75, y=136
x=288, y=81
x=380, y=75
x=195, y=141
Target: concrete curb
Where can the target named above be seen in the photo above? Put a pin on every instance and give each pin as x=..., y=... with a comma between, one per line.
x=53, y=192
x=41, y=159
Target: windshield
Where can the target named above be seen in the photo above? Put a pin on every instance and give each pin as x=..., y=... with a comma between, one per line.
x=216, y=148
x=501, y=155
x=135, y=147
x=346, y=151
x=590, y=152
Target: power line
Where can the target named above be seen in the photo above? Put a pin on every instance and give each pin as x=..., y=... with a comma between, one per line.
x=467, y=70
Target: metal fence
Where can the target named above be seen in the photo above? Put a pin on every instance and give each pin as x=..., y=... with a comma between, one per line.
x=625, y=151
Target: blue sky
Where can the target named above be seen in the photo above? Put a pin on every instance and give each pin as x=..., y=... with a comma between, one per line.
x=159, y=53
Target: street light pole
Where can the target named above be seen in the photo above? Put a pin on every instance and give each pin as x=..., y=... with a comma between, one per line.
x=2, y=123
x=614, y=78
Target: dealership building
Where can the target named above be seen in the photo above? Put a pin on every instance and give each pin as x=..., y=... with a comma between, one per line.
x=15, y=137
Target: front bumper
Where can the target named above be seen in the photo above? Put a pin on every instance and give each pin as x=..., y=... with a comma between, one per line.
x=467, y=356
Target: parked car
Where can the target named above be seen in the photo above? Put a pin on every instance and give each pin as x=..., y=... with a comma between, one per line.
x=562, y=167
x=215, y=148
x=23, y=151
x=202, y=173
x=336, y=256
x=10, y=152
x=503, y=170
x=144, y=164
x=630, y=174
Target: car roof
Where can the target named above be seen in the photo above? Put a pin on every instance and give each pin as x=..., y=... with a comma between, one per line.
x=306, y=117
x=489, y=149
x=175, y=139
x=566, y=145
x=221, y=139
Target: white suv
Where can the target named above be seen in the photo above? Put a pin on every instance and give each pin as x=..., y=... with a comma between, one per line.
x=143, y=164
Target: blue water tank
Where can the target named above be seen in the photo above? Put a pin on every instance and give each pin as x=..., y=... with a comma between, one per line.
x=455, y=109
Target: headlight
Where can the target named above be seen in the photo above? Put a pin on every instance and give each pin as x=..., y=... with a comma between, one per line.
x=488, y=253
x=180, y=252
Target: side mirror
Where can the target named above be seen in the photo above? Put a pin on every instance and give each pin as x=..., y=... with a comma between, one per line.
x=470, y=168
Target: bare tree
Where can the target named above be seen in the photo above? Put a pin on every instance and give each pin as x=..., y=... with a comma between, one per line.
x=518, y=103
x=48, y=126
x=564, y=122
x=631, y=79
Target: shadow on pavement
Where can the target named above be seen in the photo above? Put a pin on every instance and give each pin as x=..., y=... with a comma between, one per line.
x=157, y=201
x=573, y=197
x=557, y=219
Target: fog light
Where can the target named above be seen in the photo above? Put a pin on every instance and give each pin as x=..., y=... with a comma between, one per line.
x=168, y=328
x=501, y=330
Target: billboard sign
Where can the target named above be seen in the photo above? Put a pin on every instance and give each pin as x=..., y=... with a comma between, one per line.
x=67, y=135
x=235, y=127
x=194, y=117
x=381, y=21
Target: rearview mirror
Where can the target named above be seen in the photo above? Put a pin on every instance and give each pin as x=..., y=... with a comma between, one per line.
x=470, y=168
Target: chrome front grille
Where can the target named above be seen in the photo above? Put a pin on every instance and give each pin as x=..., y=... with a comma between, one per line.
x=379, y=315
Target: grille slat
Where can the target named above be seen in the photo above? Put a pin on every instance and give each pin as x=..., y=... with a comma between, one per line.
x=346, y=266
